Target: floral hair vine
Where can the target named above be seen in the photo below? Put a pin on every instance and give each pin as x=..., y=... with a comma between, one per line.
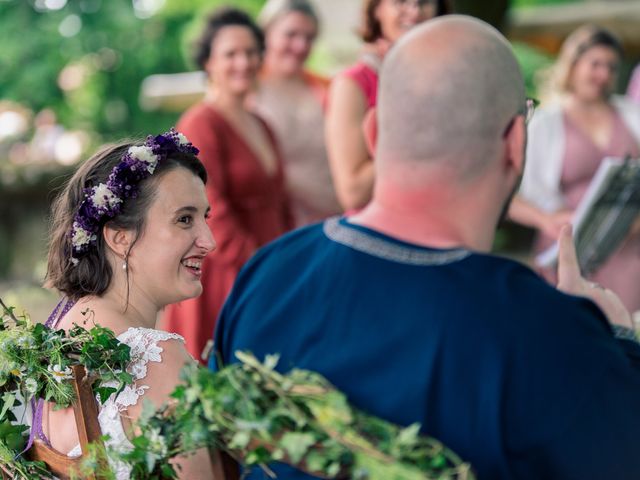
x=104, y=201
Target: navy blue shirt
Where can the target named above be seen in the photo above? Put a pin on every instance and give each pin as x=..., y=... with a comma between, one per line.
x=517, y=378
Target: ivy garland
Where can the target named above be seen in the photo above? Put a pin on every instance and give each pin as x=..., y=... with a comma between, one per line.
x=259, y=416
x=35, y=363
x=248, y=409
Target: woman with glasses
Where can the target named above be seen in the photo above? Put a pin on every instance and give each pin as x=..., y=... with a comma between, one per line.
x=582, y=124
x=354, y=92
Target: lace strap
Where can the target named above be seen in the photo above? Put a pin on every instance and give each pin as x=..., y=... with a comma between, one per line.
x=144, y=349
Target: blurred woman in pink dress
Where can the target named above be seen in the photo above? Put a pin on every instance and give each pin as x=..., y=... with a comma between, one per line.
x=583, y=124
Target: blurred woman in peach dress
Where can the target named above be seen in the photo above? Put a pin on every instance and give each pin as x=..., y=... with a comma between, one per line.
x=292, y=100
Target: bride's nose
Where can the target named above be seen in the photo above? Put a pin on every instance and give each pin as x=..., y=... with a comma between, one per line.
x=205, y=240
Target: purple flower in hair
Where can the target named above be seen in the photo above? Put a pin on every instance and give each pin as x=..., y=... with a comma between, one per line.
x=104, y=201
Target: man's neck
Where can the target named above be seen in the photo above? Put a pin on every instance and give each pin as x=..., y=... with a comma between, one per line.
x=428, y=218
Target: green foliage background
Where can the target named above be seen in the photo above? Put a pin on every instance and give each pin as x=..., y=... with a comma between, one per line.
x=115, y=48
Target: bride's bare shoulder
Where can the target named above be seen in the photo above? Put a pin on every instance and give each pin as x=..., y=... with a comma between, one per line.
x=91, y=311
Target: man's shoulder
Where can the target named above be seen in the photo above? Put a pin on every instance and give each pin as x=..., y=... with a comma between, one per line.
x=294, y=240
x=519, y=286
x=296, y=244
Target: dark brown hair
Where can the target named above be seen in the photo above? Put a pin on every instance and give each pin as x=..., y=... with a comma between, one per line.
x=219, y=19
x=372, y=30
x=93, y=274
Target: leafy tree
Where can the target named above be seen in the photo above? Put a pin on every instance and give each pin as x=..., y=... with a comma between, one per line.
x=86, y=59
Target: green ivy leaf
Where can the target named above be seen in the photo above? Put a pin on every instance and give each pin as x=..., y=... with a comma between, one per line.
x=409, y=436
x=297, y=444
x=240, y=440
x=168, y=471
x=8, y=400
x=104, y=393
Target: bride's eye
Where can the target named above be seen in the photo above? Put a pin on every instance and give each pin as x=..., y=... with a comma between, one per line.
x=185, y=219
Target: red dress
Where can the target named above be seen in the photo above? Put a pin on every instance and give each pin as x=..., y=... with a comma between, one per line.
x=248, y=209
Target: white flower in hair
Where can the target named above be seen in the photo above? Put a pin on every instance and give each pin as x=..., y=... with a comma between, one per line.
x=182, y=140
x=146, y=155
x=103, y=198
x=81, y=236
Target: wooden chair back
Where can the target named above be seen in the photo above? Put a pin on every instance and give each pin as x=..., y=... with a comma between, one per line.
x=85, y=411
x=224, y=466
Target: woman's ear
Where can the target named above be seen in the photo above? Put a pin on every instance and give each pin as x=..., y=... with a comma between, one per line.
x=118, y=240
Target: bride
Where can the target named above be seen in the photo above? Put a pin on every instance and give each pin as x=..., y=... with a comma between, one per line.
x=128, y=237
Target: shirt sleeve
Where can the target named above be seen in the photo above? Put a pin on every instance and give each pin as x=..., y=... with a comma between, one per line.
x=570, y=411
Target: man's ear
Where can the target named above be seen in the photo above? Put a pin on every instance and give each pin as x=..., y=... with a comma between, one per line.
x=370, y=130
x=118, y=240
x=515, y=144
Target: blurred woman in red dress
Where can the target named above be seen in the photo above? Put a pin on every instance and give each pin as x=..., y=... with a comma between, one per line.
x=246, y=180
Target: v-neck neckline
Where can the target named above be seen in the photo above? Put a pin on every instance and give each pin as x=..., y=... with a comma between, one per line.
x=229, y=125
x=585, y=134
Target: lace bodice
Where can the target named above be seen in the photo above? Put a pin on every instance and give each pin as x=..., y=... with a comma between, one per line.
x=144, y=349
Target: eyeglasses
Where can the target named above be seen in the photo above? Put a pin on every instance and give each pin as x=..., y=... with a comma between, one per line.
x=530, y=106
x=527, y=112
x=419, y=4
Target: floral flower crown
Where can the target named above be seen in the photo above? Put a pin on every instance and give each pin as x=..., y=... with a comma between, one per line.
x=104, y=201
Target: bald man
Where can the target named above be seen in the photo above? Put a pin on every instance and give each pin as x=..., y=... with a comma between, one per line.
x=402, y=308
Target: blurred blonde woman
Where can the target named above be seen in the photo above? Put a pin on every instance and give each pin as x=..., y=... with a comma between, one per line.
x=583, y=123
x=292, y=100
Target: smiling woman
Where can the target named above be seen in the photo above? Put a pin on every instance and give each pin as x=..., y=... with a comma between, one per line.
x=582, y=123
x=292, y=99
x=354, y=93
x=129, y=236
x=239, y=151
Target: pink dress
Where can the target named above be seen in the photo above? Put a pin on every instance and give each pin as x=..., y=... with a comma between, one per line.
x=621, y=272
x=296, y=113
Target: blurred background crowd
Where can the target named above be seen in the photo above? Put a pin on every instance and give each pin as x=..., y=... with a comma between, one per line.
x=76, y=74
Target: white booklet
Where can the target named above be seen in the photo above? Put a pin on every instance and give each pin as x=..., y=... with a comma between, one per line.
x=604, y=215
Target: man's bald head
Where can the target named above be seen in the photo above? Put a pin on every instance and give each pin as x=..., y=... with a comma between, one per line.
x=448, y=90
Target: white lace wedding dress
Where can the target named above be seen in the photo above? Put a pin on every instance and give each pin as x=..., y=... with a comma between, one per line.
x=144, y=349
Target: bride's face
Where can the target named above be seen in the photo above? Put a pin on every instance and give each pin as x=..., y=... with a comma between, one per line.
x=165, y=262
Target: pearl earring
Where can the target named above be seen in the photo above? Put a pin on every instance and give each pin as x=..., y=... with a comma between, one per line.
x=124, y=265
